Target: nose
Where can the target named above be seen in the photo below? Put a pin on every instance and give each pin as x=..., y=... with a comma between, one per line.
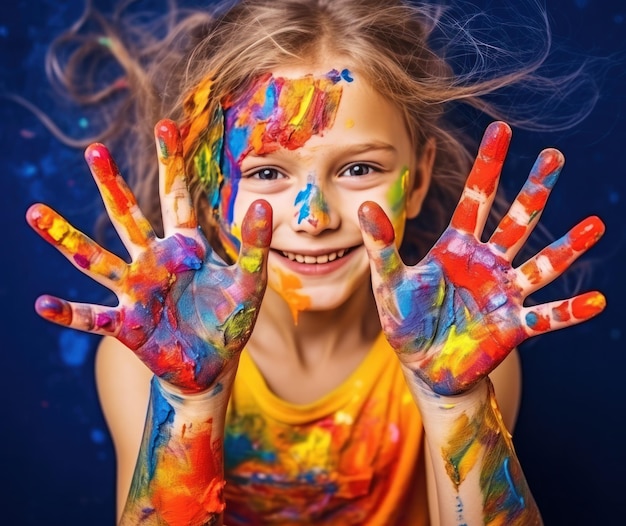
x=313, y=214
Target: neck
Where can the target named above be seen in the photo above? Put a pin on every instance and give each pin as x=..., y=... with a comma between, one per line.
x=318, y=336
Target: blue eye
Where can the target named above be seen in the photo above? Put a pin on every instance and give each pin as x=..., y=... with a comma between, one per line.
x=267, y=174
x=357, y=170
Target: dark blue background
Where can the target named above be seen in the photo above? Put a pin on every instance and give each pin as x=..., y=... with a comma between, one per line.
x=57, y=460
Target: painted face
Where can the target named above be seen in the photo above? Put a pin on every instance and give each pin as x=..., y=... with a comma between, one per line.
x=315, y=146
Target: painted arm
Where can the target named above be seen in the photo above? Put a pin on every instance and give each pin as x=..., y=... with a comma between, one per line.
x=186, y=315
x=456, y=315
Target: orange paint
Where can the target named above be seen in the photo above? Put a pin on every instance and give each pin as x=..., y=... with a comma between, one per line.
x=117, y=195
x=289, y=285
x=188, y=487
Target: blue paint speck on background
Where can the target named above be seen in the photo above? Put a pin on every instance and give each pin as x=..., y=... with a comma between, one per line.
x=74, y=347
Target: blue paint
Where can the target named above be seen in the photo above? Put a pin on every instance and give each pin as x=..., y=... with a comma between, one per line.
x=239, y=448
x=507, y=473
x=162, y=417
x=531, y=319
x=304, y=199
x=311, y=202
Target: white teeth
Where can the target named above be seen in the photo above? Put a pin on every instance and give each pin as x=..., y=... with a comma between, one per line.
x=315, y=260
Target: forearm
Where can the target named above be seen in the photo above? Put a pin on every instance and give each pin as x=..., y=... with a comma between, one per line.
x=478, y=476
x=179, y=476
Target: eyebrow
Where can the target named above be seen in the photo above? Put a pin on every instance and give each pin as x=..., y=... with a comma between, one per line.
x=343, y=149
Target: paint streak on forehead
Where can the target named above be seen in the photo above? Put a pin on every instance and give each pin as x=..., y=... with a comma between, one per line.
x=277, y=112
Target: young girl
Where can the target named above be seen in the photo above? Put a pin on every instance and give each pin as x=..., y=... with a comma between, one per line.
x=293, y=366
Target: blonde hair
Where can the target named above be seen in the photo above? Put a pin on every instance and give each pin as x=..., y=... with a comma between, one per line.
x=418, y=56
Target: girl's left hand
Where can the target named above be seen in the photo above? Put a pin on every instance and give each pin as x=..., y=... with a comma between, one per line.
x=453, y=317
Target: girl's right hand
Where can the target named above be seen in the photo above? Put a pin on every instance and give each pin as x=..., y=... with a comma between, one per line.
x=182, y=310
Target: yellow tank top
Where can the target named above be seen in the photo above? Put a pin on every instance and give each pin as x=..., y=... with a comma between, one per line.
x=353, y=457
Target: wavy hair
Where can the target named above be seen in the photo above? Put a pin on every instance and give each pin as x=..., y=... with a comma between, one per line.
x=440, y=68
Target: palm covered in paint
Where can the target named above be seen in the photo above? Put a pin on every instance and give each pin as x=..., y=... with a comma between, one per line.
x=458, y=313
x=181, y=309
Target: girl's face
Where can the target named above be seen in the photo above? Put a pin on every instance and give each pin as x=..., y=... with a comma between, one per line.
x=316, y=146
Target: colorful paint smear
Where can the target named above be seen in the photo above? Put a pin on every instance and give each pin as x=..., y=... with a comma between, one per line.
x=456, y=315
x=311, y=205
x=289, y=287
x=274, y=112
x=482, y=442
x=169, y=281
x=179, y=479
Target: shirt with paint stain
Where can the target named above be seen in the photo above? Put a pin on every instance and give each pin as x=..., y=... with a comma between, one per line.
x=352, y=457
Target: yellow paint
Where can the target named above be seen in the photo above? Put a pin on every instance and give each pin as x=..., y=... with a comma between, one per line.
x=455, y=350
x=349, y=123
x=313, y=452
x=342, y=417
x=305, y=103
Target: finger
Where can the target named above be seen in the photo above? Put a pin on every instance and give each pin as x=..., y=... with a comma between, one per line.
x=553, y=260
x=256, y=236
x=96, y=319
x=176, y=205
x=394, y=301
x=472, y=211
x=559, y=314
x=525, y=211
x=131, y=225
x=86, y=255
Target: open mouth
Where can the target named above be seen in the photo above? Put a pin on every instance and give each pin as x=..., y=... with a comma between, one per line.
x=319, y=259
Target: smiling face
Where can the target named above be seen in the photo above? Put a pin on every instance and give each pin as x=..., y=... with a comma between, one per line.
x=315, y=146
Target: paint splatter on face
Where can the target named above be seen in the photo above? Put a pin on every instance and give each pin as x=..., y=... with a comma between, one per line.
x=273, y=113
x=311, y=204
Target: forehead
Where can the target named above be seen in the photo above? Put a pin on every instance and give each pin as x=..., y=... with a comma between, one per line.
x=279, y=111
x=287, y=109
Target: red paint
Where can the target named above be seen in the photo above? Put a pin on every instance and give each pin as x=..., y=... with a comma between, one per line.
x=509, y=232
x=561, y=312
x=560, y=256
x=588, y=305
x=465, y=215
x=106, y=171
x=256, y=229
x=533, y=200
x=495, y=142
x=586, y=233
x=167, y=132
x=376, y=223
x=542, y=324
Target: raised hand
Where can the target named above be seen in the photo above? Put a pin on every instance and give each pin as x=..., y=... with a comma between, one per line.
x=181, y=309
x=458, y=313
